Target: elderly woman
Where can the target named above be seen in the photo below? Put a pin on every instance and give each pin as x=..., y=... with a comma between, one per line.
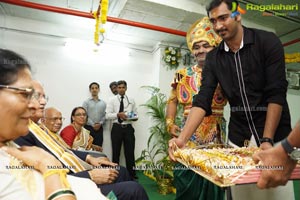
x=75, y=135
x=29, y=172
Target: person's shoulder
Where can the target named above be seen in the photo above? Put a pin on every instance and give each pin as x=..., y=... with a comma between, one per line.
x=67, y=128
x=85, y=130
x=87, y=100
x=215, y=50
x=258, y=31
x=130, y=98
x=210, y=56
x=181, y=71
x=112, y=98
x=29, y=140
x=102, y=101
x=266, y=35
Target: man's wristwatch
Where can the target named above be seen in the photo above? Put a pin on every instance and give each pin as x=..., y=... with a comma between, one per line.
x=265, y=139
x=293, y=152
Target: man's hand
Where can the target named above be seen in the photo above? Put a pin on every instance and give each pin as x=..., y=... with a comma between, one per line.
x=96, y=126
x=99, y=161
x=122, y=115
x=103, y=176
x=173, y=144
x=274, y=157
x=174, y=130
x=97, y=148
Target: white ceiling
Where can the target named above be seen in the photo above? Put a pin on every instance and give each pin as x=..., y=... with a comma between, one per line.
x=173, y=14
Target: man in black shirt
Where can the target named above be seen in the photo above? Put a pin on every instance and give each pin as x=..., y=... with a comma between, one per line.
x=249, y=66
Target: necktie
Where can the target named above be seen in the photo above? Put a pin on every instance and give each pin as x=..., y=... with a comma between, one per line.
x=121, y=109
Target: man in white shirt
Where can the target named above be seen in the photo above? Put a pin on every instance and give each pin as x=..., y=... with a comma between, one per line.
x=122, y=110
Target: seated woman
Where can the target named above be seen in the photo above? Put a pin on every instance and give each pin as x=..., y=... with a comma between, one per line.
x=75, y=135
x=29, y=172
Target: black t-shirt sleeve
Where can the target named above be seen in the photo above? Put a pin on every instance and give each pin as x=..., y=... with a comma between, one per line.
x=276, y=84
x=208, y=85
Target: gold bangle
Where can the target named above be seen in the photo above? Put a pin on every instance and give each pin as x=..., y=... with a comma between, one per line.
x=62, y=174
x=169, y=120
x=169, y=123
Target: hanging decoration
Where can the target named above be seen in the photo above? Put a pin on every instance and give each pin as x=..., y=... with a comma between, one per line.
x=172, y=57
x=101, y=18
x=292, y=58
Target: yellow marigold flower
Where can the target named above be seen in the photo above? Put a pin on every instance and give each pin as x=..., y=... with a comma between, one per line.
x=102, y=30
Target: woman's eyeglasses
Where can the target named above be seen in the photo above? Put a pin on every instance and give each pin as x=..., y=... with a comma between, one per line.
x=80, y=114
x=26, y=92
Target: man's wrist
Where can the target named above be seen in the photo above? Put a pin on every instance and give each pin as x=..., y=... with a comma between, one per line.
x=91, y=175
x=292, y=152
x=266, y=139
x=183, y=138
x=87, y=159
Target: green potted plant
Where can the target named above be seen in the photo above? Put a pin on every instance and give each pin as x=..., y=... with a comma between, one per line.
x=154, y=160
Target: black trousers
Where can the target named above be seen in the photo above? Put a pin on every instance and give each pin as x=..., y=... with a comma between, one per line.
x=123, y=134
x=97, y=135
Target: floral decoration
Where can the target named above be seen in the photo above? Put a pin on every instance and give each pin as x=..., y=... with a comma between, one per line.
x=292, y=58
x=172, y=57
x=101, y=17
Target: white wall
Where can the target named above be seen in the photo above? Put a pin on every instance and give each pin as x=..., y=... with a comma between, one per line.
x=293, y=98
x=66, y=75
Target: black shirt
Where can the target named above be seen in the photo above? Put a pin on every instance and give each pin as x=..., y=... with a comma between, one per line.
x=250, y=79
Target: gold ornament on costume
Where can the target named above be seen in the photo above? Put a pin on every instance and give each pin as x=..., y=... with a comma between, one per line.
x=202, y=30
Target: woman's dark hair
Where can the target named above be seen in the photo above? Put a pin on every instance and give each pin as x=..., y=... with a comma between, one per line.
x=122, y=82
x=216, y=3
x=94, y=83
x=10, y=64
x=74, y=111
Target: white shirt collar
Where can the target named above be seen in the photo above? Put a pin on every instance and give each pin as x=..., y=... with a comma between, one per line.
x=226, y=48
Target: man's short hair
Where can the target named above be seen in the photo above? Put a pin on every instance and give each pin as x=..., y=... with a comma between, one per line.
x=122, y=82
x=113, y=83
x=216, y=3
x=94, y=83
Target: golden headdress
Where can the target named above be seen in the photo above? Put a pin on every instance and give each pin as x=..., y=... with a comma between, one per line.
x=202, y=30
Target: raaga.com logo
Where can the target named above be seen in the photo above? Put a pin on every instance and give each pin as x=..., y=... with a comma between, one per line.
x=275, y=9
x=236, y=10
